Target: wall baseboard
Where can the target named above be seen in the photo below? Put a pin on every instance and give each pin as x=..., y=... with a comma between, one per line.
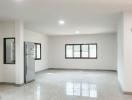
x=81, y=69
x=8, y=83
x=128, y=93
x=41, y=70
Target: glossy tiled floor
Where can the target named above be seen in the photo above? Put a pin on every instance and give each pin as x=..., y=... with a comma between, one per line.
x=67, y=85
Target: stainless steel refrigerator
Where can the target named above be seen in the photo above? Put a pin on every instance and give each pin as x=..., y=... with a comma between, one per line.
x=29, y=62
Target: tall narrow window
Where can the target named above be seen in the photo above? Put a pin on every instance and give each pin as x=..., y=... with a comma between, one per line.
x=92, y=51
x=69, y=51
x=81, y=51
x=85, y=53
x=37, y=51
x=9, y=50
x=76, y=51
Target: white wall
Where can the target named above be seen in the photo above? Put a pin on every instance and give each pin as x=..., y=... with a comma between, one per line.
x=7, y=71
x=13, y=73
x=39, y=38
x=106, y=52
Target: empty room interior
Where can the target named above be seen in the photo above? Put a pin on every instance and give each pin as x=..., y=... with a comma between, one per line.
x=65, y=50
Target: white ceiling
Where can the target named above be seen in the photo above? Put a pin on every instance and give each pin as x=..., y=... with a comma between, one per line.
x=87, y=16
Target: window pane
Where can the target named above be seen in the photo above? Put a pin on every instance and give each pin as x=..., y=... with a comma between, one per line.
x=84, y=54
x=76, y=50
x=9, y=49
x=84, y=50
x=69, y=51
x=92, y=49
x=38, y=51
x=76, y=54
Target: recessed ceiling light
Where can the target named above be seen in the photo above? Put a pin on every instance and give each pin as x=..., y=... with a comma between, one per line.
x=61, y=22
x=77, y=32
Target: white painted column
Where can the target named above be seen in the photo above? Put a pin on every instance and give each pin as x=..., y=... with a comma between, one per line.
x=120, y=50
x=125, y=52
x=128, y=51
x=19, y=35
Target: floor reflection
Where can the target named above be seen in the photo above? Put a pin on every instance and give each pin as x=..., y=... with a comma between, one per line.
x=81, y=89
x=38, y=92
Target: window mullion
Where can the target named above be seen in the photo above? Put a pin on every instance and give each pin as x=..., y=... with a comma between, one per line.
x=88, y=51
x=80, y=51
x=73, y=50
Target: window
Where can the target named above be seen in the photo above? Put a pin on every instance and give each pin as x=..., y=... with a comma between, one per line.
x=85, y=51
x=9, y=50
x=69, y=52
x=81, y=51
x=76, y=51
x=92, y=51
x=37, y=51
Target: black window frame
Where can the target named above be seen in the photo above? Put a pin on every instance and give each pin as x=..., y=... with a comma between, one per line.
x=36, y=51
x=4, y=50
x=81, y=51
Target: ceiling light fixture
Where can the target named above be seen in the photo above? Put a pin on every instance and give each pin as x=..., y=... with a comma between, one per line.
x=61, y=22
x=77, y=32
